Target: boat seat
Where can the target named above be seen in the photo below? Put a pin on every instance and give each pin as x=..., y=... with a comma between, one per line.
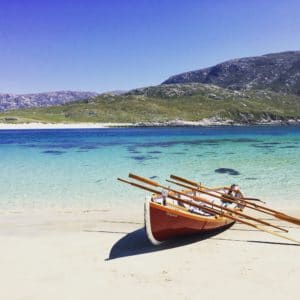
x=198, y=211
x=158, y=200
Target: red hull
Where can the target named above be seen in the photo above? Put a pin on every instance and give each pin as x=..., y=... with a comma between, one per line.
x=164, y=223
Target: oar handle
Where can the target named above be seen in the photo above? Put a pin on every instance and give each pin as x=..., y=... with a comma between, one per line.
x=185, y=180
x=139, y=186
x=190, y=202
x=145, y=180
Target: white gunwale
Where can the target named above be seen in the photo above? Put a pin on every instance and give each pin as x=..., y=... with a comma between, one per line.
x=148, y=223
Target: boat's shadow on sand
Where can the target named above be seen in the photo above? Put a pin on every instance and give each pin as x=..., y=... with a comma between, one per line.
x=136, y=242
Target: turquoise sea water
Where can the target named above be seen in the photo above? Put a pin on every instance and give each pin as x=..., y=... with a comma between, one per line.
x=78, y=168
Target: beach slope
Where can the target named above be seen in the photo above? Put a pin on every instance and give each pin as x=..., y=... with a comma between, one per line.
x=105, y=255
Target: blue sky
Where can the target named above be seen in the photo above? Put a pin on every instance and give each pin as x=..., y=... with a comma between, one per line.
x=115, y=45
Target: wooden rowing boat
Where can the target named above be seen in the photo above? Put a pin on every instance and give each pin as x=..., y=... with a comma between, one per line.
x=165, y=222
x=172, y=213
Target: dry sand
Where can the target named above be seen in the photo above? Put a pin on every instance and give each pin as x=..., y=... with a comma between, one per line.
x=7, y=126
x=86, y=125
x=105, y=255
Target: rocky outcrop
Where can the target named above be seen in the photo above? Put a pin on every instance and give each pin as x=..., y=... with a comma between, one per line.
x=278, y=72
x=12, y=101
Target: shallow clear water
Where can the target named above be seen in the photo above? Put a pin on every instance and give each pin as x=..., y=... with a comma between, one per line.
x=78, y=168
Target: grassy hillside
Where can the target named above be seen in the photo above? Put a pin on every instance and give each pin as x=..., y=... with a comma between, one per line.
x=190, y=102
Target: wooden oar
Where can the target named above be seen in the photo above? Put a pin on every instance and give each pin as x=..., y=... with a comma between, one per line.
x=214, y=189
x=211, y=210
x=229, y=196
x=263, y=209
x=203, y=200
x=251, y=205
x=200, y=190
x=226, y=208
x=207, y=193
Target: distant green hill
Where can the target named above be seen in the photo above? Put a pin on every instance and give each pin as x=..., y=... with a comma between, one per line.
x=169, y=102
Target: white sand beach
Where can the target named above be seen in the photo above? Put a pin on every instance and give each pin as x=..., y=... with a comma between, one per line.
x=7, y=126
x=104, y=254
x=83, y=125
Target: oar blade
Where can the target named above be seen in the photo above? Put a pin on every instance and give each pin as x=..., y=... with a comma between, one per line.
x=278, y=234
x=288, y=218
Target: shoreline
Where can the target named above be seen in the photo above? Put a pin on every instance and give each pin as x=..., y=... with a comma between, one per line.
x=176, y=123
